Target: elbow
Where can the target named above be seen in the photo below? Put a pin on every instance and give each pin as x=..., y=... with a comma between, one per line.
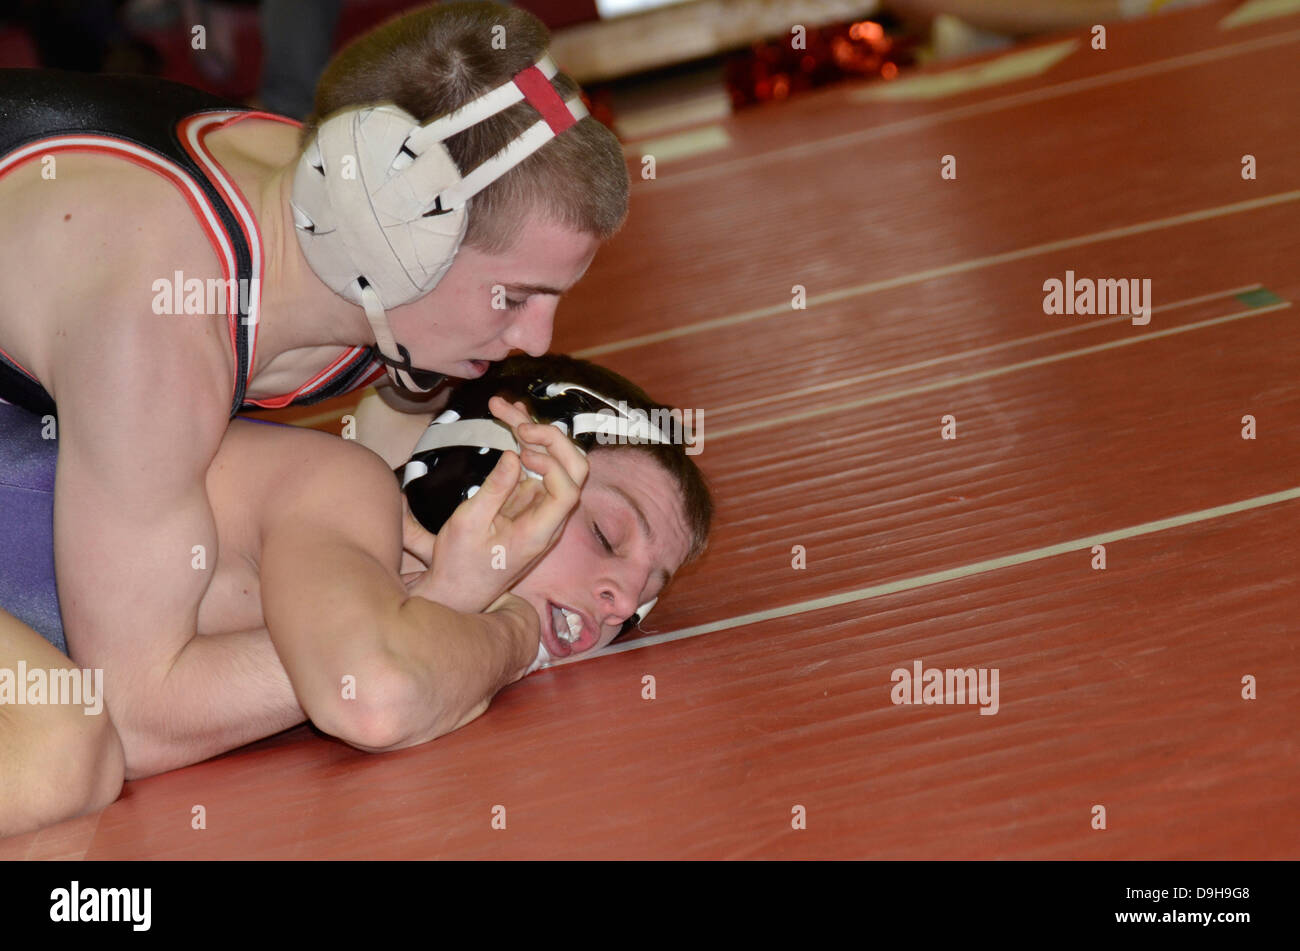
x=381, y=707
x=146, y=748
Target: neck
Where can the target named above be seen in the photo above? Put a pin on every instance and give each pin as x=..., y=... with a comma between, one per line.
x=299, y=312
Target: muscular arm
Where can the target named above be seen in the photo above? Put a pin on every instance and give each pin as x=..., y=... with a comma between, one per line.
x=341, y=617
x=143, y=401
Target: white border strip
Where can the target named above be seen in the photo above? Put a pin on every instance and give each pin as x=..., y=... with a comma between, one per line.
x=953, y=574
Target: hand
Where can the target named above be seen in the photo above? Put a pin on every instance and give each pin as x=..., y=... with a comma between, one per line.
x=494, y=538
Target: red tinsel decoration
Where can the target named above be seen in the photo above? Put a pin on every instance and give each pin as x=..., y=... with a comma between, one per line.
x=776, y=69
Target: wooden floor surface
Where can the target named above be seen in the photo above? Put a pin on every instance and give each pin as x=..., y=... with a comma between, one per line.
x=1119, y=687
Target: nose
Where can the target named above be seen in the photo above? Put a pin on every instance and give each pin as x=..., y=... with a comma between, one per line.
x=617, y=602
x=532, y=331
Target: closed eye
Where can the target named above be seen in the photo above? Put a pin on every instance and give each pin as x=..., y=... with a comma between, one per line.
x=601, y=538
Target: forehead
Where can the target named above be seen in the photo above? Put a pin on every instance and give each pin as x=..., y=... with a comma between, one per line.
x=633, y=480
x=542, y=239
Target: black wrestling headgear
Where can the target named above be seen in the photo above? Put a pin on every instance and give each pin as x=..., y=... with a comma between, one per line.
x=461, y=446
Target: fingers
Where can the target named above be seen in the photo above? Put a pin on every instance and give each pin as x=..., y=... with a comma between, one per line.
x=544, y=520
x=485, y=506
x=541, y=438
x=523, y=497
x=529, y=510
x=515, y=415
x=512, y=414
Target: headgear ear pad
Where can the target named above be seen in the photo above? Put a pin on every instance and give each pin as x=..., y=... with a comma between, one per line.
x=460, y=447
x=358, y=203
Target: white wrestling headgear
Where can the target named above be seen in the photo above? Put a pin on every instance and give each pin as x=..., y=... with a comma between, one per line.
x=379, y=204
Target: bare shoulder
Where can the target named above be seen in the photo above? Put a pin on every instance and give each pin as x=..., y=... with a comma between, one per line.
x=297, y=473
x=89, y=245
x=123, y=204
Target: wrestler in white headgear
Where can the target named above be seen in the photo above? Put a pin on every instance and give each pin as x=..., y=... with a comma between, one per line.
x=380, y=206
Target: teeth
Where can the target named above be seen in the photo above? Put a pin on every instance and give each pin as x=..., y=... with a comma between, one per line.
x=568, y=625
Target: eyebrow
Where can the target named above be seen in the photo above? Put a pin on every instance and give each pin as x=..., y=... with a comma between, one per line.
x=536, y=289
x=664, y=576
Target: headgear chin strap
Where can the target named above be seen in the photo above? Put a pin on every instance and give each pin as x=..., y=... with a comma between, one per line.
x=380, y=205
x=460, y=448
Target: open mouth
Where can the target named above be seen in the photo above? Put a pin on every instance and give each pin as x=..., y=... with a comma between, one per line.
x=566, y=627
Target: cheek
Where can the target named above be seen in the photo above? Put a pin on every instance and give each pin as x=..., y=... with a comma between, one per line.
x=571, y=555
x=457, y=328
x=559, y=575
x=456, y=307
x=421, y=322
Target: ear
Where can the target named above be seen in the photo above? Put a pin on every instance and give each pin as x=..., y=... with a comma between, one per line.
x=637, y=618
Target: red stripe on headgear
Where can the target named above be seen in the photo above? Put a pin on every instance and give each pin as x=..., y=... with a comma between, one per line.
x=541, y=95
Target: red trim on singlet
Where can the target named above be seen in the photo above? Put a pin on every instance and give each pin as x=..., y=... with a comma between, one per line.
x=321, y=379
x=235, y=197
x=31, y=376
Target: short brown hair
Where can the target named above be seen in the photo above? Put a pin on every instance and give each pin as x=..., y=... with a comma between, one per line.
x=512, y=377
x=434, y=60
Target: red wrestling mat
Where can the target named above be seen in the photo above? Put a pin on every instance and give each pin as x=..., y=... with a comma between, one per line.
x=1120, y=688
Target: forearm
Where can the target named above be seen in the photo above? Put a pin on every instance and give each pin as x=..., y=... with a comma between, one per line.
x=370, y=663
x=428, y=670
x=222, y=691
x=464, y=667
